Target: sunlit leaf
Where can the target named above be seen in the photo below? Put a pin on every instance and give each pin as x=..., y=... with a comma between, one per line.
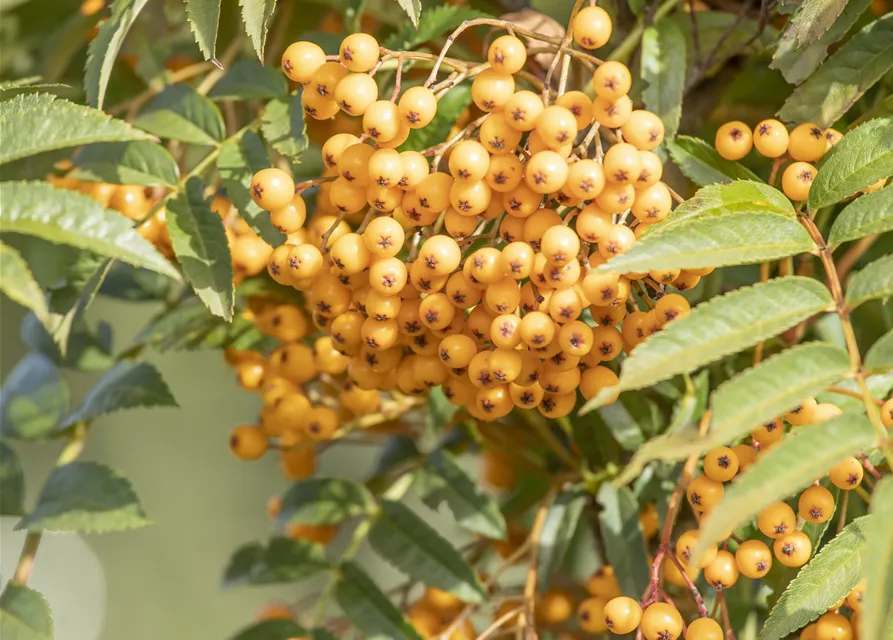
x=104, y=48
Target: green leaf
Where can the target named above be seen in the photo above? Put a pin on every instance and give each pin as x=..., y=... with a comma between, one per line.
x=436, y=21
x=721, y=35
x=104, y=48
x=814, y=18
x=87, y=349
x=370, y=610
x=24, y=614
x=281, y=560
x=12, y=483
x=628, y=420
x=828, y=577
x=256, y=15
x=622, y=537
x=416, y=549
x=278, y=629
x=239, y=160
x=880, y=356
x=865, y=216
x=663, y=68
x=803, y=456
x=85, y=496
x=724, y=325
x=448, y=110
x=40, y=122
x=701, y=163
x=144, y=163
x=283, y=125
x=250, y=80
x=842, y=79
x=861, y=158
x=558, y=530
x=324, y=501
x=204, y=19
x=743, y=238
x=796, y=63
x=748, y=400
x=18, y=284
x=473, y=508
x=68, y=217
x=875, y=280
x=878, y=573
x=34, y=399
x=199, y=241
x=181, y=113
x=413, y=9
x=127, y=385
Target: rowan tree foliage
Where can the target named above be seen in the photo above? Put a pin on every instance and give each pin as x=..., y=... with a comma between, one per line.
x=605, y=284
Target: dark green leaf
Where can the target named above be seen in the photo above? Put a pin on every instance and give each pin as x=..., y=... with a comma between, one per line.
x=18, y=284
x=473, y=508
x=880, y=356
x=40, y=122
x=793, y=464
x=144, y=163
x=878, y=572
x=250, y=80
x=448, y=110
x=875, y=280
x=842, y=79
x=416, y=549
x=239, y=160
x=204, y=18
x=828, y=577
x=622, y=536
x=324, y=501
x=814, y=18
x=24, y=614
x=279, y=629
x=192, y=327
x=68, y=217
x=721, y=35
x=701, y=164
x=88, y=349
x=104, y=48
x=558, y=530
x=797, y=63
x=34, y=399
x=283, y=125
x=629, y=420
x=413, y=9
x=88, y=497
x=865, y=216
x=12, y=483
x=181, y=113
x=256, y=15
x=861, y=158
x=743, y=238
x=436, y=21
x=370, y=610
x=127, y=385
x=281, y=560
x=199, y=241
x=663, y=68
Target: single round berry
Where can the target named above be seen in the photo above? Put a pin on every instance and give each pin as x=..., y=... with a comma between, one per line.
x=301, y=60
x=704, y=629
x=248, y=443
x=720, y=464
x=816, y=504
x=491, y=90
x=612, y=80
x=847, y=475
x=833, y=626
x=797, y=180
x=703, y=493
x=592, y=27
x=381, y=121
x=753, y=559
x=776, y=520
x=359, y=52
x=661, y=621
x=734, y=140
x=643, y=129
x=723, y=572
x=272, y=188
x=507, y=54
x=591, y=615
x=770, y=137
x=792, y=549
x=417, y=107
x=807, y=142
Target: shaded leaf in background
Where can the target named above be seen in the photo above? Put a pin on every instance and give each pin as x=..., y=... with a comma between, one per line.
x=828, y=577
x=143, y=163
x=415, y=548
x=204, y=18
x=18, y=284
x=256, y=15
x=436, y=21
x=280, y=629
x=41, y=122
x=701, y=163
x=280, y=560
x=34, y=399
x=878, y=572
x=24, y=614
x=104, y=48
x=794, y=463
x=324, y=501
x=127, y=385
x=370, y=610
x=12, y=483
x=88, y=349
x=842, y=79
x=860, y=159
x=283, y=125
x=250, y=80
x=724, y=32
x=199, y=241
x=181, y=113
x=622, y=536
x=88, y=497
x=875, y=280
x=558, y=530
x=663, y=69
x=865, y=216
x=880, y=356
